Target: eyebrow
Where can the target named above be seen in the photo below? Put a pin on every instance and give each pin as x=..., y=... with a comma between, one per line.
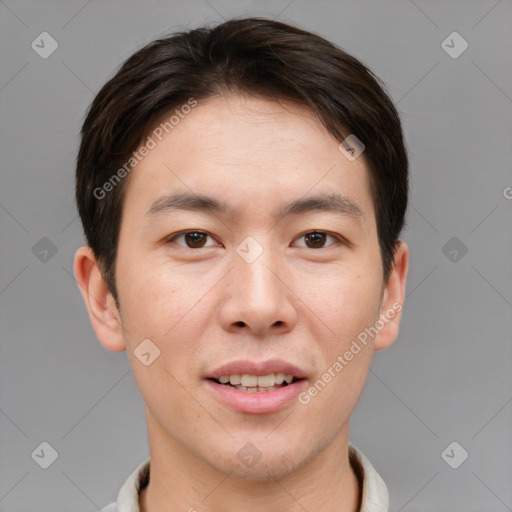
x=334, y=202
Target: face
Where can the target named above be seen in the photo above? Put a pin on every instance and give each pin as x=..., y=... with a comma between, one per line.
x=263, y=276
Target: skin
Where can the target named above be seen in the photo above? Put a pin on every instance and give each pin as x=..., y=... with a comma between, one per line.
x=203, y=307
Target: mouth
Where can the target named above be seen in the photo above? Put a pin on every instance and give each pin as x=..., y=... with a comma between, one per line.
x=256, y=383
x=256, y=388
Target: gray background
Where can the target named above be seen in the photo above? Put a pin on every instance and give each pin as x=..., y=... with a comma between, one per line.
x=448, y=376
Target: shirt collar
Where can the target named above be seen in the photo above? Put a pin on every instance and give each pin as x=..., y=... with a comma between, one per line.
x=374, y=490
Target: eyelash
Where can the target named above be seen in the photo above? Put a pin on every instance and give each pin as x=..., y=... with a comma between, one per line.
x=328, y=233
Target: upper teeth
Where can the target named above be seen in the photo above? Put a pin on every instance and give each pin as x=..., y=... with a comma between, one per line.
x=262, y=381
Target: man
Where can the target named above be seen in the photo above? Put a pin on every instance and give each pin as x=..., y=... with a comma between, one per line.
x=242, y=189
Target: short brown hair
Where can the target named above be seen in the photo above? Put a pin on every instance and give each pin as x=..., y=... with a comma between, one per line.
x=252, y=56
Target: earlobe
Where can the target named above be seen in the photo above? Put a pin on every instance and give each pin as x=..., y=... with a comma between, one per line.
x=100, y=304
x=393, y=298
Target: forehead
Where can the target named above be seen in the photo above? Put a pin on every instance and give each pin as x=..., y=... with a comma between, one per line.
x=248, y=150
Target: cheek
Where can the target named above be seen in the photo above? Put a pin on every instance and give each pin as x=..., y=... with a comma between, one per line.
x=345, y=358
x=347, y=302
x=348, y=307
x=164, y=304
x=156, y=299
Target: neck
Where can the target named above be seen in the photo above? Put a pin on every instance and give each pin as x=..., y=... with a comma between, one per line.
x=181, y=481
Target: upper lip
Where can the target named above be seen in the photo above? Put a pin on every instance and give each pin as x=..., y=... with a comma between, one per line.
x=257, y=368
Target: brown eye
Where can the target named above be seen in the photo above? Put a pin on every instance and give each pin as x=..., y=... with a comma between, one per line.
x=195, y=239
x=315, y=239
x=191, y=239
x=318, y=239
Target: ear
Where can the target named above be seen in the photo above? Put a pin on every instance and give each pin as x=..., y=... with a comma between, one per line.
x=100, y=303
x=393, y=298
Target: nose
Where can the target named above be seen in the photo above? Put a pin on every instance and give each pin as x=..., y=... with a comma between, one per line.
x=258, y=299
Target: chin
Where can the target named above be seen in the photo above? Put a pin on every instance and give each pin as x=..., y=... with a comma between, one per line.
x=262, y=472
x=267, y=468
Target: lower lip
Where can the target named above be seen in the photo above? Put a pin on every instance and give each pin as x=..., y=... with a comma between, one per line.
x=260, y=402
